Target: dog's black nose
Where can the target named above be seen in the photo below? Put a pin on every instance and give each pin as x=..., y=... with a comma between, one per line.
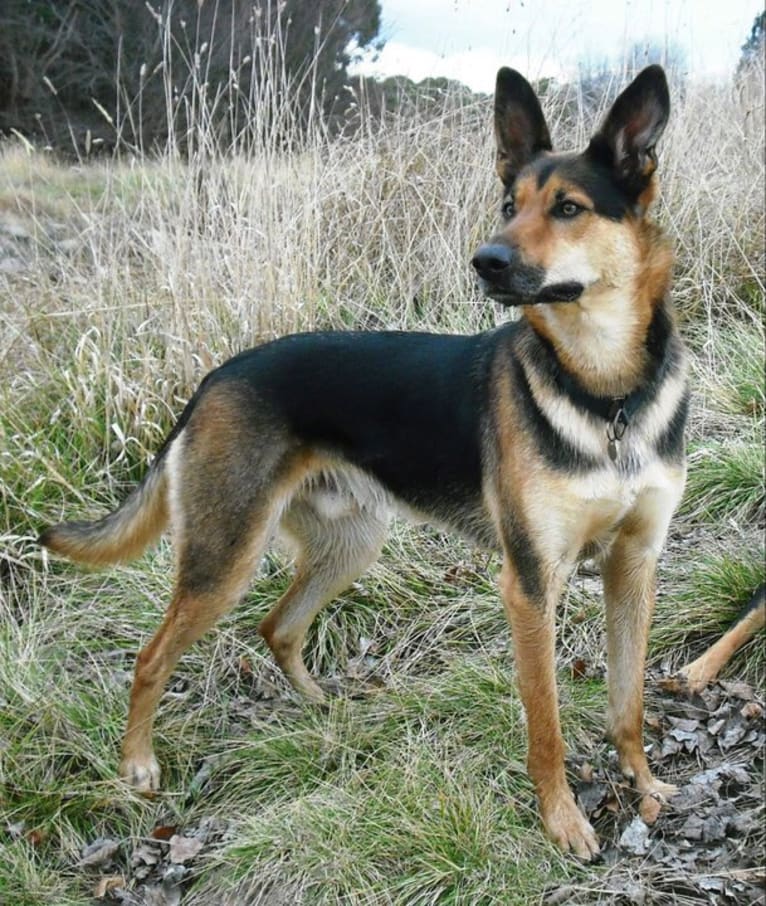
x=491, y=259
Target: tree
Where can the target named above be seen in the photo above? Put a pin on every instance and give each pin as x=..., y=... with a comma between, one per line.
x=753, y=48
x=130, y=72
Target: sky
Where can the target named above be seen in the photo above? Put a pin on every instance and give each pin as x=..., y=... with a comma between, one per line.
x=469, y=40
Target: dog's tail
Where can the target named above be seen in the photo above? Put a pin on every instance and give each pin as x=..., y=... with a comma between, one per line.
x=122, y=535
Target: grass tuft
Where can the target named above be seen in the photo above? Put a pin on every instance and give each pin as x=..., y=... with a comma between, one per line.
x=703, y=606
x=726, y=482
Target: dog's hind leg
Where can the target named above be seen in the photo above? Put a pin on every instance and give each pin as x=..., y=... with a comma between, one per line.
x=211, y=580
x=191, y=613
x=228, y=482
x=333, y=550
x=706, y=667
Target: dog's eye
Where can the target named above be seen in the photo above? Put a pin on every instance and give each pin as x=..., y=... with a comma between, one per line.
x=567, y=209
x=509, y=208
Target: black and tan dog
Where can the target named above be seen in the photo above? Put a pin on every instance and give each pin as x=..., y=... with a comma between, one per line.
x=550, y=438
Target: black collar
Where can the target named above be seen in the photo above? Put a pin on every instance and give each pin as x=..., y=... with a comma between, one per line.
x=616, y=412
x=605, y=407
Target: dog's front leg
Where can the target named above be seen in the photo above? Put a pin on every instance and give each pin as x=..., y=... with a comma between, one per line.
x=629, y=592
x=533, y=628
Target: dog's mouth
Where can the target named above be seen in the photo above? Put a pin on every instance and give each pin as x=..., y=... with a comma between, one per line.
x=560, y=292
x=556, y=292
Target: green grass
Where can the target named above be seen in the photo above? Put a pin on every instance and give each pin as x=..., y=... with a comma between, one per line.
x=416, y=786
x=416, y=827
x=726, y=482
x=729, y=367
x=747, y=395
x=416, y=790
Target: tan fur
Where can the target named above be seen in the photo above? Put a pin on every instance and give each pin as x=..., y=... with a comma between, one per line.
x=331, y=554
x=702, y=671
x=188, y=618
x=627, y=278
x=629, y=572
x=118, y=537
x=629, y=523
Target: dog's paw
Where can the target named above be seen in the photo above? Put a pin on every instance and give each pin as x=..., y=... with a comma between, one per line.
x=143, y=774
x=569, y=829
x=657, y=789
x=644, y=781
x=697, y=675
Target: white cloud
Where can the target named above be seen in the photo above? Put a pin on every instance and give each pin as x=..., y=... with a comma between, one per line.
x=469, y=39
x=476, y=68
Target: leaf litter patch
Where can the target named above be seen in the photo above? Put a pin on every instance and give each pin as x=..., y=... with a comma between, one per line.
x=150, y=871
x=707, y=845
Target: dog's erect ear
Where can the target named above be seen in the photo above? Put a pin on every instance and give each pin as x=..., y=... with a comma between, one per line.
x=520, y=129
x=627, y=137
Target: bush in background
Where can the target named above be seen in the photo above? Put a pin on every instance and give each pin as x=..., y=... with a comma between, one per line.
x=80, y=74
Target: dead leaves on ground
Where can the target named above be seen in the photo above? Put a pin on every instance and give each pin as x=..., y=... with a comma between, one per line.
x=154, y=870
x=707, y=844
x=704, y=847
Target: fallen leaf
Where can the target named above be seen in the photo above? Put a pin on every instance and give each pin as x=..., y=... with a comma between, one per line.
x=747, y=822
x=560, y=895
x=742, y=691
x=714, y=726
x=146, y=854
x=36, y=836
x=635, y=838
x=579, y=669
x=164, y=831
x=590, y=797
x=98, y=852
x=751, y=710
x=732, y=733
x=681, y=726
x=183, y=849
x=714, y=828
x=105, y=885
x=692, y=828
x=161, y=895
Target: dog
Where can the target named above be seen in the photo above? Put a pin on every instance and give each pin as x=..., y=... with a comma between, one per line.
x=553, y=437
x=750, y=620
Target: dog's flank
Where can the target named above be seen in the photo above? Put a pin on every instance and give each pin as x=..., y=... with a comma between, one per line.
x=551, y=438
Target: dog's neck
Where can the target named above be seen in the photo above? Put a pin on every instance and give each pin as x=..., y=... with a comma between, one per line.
x=662, y=354
x=602, y=339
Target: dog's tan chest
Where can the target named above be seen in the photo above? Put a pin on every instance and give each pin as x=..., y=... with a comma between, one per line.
x=568, y=514
x=607, y=498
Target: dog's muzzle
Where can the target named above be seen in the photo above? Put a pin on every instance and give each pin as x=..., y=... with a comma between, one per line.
x=504, y=277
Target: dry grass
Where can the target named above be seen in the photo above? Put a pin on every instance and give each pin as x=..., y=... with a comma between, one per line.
x=133, y=279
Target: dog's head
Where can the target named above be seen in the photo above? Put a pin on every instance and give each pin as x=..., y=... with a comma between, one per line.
x=570, y=220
